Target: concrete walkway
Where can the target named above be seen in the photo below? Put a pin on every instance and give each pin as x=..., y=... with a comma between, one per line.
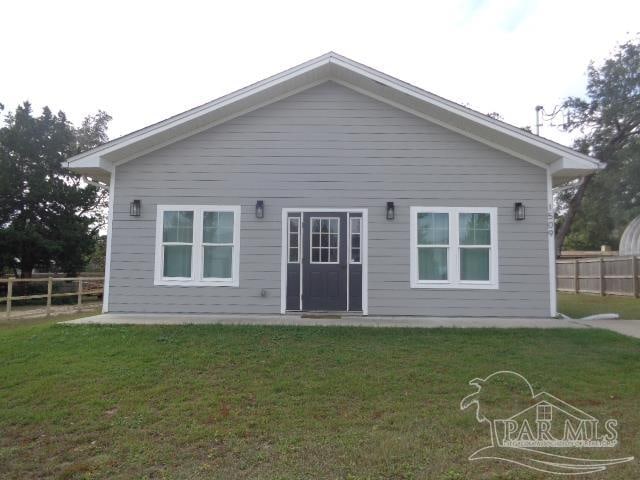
x=625, y=327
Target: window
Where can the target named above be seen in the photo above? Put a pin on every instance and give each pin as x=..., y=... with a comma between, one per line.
x=325, y=235
x=355, y=234
x=475, y=246
x=197, y=245
x=545, y=413
x=454, y=247
x=217, y=244
x=433, y=246
x=177, y=243
x=294, y=240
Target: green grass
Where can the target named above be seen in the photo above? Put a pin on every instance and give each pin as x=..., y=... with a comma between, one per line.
x=578, y=306
x=286, y=402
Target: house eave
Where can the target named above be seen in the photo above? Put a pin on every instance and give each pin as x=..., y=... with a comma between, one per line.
x=92, y=166
x=570, y=168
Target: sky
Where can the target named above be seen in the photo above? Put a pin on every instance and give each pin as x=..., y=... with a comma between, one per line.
x=144, y=61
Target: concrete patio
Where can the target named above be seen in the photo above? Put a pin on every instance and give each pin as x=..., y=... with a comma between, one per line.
x=624, y=327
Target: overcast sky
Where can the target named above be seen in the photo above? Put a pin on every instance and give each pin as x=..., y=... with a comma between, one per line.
x=144, y=61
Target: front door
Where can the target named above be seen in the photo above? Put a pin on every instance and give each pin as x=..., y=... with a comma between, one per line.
x=324, y=261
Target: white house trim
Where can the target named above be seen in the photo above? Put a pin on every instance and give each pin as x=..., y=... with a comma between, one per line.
x=107, y=261
x=364, y=252
x=553, y=295
x=453, y=260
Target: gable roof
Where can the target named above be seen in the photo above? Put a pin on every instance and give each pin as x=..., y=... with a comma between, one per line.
x=563, y=162
x=555, y=402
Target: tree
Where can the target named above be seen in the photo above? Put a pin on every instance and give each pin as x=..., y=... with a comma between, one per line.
x=609, y=123
x=48, y=216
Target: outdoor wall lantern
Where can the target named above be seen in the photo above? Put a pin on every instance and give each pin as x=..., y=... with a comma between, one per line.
x=134, y=208
x=391, y=211
x=259, y=209
x=519, y=211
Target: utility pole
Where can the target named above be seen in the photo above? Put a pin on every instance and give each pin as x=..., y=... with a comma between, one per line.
x=539, y=108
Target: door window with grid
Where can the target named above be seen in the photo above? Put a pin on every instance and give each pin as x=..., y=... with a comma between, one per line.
x=325, y=239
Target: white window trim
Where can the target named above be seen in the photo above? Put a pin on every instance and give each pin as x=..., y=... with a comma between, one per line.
x=453, y=252
x=197, y=250
x=289, y=232
x=330, y=247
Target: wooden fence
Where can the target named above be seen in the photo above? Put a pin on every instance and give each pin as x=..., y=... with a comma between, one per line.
x=600, y=276
x=85, y=286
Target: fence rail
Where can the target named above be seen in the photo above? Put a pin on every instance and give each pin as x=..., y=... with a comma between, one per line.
x=601, y=276
x=85, y=286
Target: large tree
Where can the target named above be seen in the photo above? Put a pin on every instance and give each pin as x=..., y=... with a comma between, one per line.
x=49, y=217
x=608, y=121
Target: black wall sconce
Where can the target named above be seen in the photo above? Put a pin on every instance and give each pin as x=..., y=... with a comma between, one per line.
x=134, y=208
x=391, y=211
x=519, y=211
x=259, y=209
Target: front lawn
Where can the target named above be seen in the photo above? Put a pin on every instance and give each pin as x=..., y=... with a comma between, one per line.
x=286, y=402
x=578, y=306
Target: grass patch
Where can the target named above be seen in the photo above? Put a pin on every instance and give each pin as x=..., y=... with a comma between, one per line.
x=578, y=306
x=286, y=402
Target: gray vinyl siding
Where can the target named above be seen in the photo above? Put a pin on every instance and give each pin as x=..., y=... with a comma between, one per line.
x=331, y=147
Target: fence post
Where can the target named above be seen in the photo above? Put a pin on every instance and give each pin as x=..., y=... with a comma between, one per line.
x=49, y=292
x=576, y=279
x=9, y=294
x=634, y=275
x=602, y=285
x=79, y=292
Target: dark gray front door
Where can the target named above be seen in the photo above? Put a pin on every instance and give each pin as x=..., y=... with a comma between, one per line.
x=324, y=261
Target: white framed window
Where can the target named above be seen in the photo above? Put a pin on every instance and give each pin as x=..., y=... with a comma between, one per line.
x=355, y=239
x=454, y=247
x=197, y=245
x=325, y=239
x=294, y=240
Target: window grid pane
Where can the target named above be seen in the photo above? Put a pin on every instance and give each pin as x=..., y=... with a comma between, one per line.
x=355, y=224
x=475, y=229
x=433, y=228
x=294, y=239
x=324, y=240
x=217, y=227
x=177, y=226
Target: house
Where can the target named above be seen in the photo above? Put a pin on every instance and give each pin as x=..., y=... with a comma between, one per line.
x=331, y=187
